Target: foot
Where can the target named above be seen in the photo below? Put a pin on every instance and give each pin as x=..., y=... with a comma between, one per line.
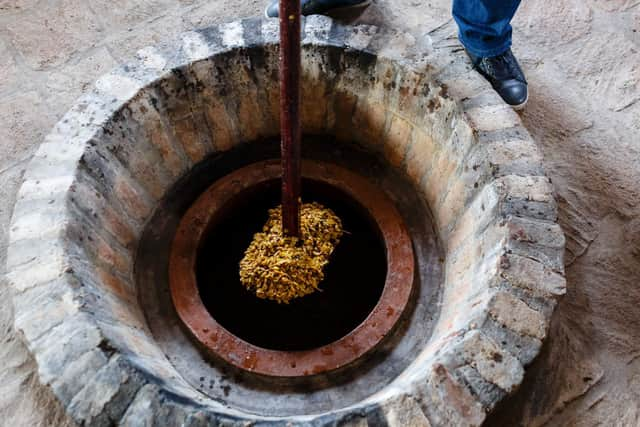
x=318, y=7
x=505, y=75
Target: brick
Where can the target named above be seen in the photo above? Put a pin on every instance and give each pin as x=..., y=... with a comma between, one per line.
x=442, y=174
x=465, y=86
x=116, y=184
x=313, y=115
x=528, y=196
x=103, y=401
x=134, y=200
x=42, y=308
x=398, y=140
x=222, y=128
x=360, y=37
x=420, y=155
x=405, y=412
x=523, y=347
x=131, y=148
x=26, y=252
x=195, y=143
x=447, y=402
x=491, y=362
x=151, y=58
x=91, y=203
x=171, y=152
x=533, y=276
x=317, y=29
x=517, y=316
x=369, y=122
x=489, y=394
x=540, y=240
x=195, y=46
x=35, y=189
x=117, y=86
x=39, y=271
x=52, y=159
x=232, y=34
x=63, y=344
x=485, y=98
x=77, y=374
x=492, y=117
x=344, y=105
x=270, y=31
x=393, y=45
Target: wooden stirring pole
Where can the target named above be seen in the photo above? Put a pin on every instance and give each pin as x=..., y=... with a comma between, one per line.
x=290, y=114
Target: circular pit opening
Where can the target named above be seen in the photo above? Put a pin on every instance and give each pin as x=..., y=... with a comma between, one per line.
x=352, y=285
x=367, y=283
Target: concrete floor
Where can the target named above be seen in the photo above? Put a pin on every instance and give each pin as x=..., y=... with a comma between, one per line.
x=582, y=59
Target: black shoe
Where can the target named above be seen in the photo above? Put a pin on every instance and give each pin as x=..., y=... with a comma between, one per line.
x=505, y=75
x=318, y=7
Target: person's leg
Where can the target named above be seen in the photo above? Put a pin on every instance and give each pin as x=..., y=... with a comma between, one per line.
x=485, y=25
x=485, y=32
x=317, y=7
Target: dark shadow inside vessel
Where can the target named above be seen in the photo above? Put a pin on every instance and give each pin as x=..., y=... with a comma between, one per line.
x=353, y=283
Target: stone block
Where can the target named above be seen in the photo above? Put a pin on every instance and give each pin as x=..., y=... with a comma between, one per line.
x=63, y=344
x=370, y=121
x=42, y=308
x=89, y=204
x=77, y=374
x=359, y=38
x=517, y=316
x=397, y=140
x=161, y=139
x=448, y=402
x=532, y=276
x=492, y=117
x=50, y=189
x=405, y=412
x=489, y=394
x=540, y=240
x=492, y=363
x=34, y=273
x=523, y=347
x=104, y=400
x=420, y=155
x=232, y=34
x=317, y=29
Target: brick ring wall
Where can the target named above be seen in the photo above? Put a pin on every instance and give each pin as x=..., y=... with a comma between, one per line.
x=88, y=193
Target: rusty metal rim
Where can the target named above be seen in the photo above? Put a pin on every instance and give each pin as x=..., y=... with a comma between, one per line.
x=232, y=349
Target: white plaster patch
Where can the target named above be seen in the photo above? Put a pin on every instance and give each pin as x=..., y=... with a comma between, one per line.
x=38, y=189
x=232, y=34
x=195, y=46
x=151, y=58
x=360, y=37
x=120, y=87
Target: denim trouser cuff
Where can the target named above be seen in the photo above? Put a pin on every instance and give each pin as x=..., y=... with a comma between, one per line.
x=485, y=52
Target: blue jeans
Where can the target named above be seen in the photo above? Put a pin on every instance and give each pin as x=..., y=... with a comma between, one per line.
x=484, y=25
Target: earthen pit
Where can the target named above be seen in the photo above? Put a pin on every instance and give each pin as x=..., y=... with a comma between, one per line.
x=89, y=192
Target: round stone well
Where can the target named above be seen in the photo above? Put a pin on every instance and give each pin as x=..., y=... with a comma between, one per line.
x=95, y=217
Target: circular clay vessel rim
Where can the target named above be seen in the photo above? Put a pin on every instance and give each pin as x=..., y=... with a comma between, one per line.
x=223, y=344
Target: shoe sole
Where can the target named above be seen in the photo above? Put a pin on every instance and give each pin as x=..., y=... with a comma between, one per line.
x=522, y=105
x=337, y=9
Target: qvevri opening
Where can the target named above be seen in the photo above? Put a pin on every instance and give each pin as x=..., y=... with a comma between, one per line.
x=367, y=284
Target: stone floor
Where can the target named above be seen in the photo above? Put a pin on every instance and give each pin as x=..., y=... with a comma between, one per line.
x=582, y=58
